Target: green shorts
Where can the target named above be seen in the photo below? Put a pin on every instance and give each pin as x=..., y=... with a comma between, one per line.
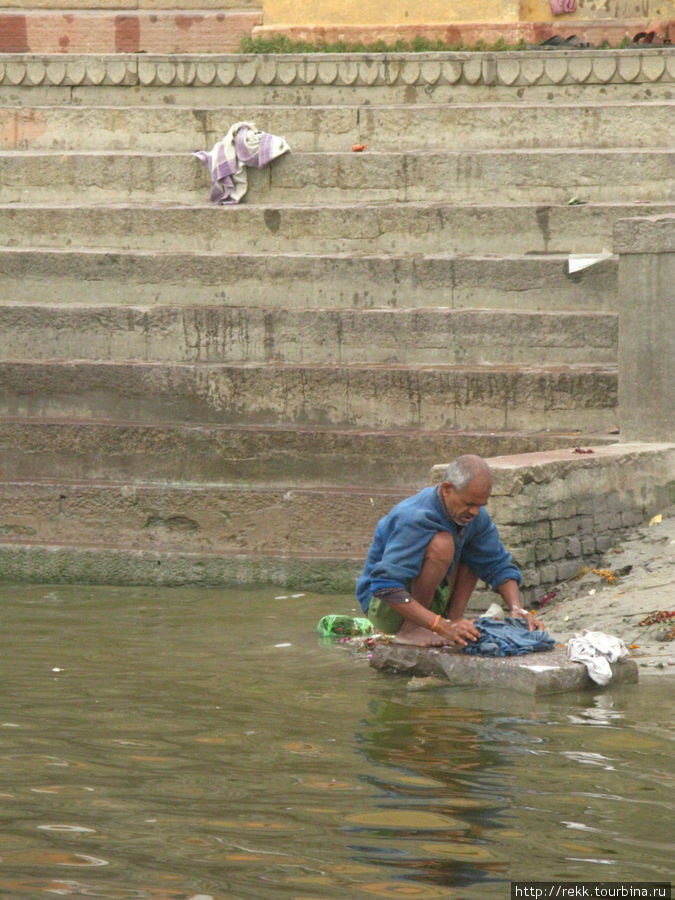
x=384, y=617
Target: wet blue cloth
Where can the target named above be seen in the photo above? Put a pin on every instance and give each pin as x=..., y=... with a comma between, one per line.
x=508, y=637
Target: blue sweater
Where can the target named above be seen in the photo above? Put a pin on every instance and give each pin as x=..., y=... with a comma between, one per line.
x=401, y=539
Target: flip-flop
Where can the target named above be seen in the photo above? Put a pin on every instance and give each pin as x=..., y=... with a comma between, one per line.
x=644, y=37
x=556, y=42
x=577, y=43
x=649, y=39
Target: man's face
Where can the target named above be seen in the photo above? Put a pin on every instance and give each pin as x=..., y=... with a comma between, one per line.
x=464, y=505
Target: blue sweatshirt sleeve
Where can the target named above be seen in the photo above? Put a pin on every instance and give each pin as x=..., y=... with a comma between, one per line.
x=402, y=555
x=484, y=553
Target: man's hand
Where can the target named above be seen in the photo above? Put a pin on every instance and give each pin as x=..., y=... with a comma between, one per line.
x=532, y=622
x=510, y=594
x=458, y=631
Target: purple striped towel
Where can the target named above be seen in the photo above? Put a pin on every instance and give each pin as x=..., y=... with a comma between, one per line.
x=242, y=146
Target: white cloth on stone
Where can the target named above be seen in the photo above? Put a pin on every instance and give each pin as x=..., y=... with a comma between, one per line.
x=596, y=650
x=242, y=146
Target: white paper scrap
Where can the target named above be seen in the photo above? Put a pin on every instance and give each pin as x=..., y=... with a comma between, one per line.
x=578, y=261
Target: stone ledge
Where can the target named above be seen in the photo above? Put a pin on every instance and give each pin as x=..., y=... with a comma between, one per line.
x=540, y=503
x=512, y=473
x=535, y=673
x=524, y=68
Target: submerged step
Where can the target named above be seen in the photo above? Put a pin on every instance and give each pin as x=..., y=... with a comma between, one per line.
x=126, y=451
x=424, y=228
x=506, y=176
x=78, y=563
x=578, y=397
x=342, y=336
x=422, y=126
x=293, y=280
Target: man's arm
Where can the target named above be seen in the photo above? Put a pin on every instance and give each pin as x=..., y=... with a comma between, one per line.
x=509, y=591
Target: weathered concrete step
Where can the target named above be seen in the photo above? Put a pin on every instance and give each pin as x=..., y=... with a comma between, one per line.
x=389, y=228
x=303, y=79
x=557, y=398
x=553, y=176
x=308, y=336
x=322, y=128
x=124, y=451
x=215, y=518
x=304, y=280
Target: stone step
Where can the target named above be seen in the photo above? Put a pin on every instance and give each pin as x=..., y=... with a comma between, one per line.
x=100, y=277
x=307, y=336
x=424, y=228
x=304, y=79
x=556, y=398
x=551, y=176
x=208, y=518
x=479, y=126
x=152, y=452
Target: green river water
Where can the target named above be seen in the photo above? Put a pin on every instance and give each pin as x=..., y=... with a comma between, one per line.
x=185, y=744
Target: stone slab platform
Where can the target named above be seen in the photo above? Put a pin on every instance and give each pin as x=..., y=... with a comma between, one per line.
x=536, y=673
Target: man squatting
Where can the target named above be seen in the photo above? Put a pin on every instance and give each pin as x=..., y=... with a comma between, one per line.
x=427, y=555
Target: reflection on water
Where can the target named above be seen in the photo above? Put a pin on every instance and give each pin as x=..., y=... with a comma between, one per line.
x=195, y=744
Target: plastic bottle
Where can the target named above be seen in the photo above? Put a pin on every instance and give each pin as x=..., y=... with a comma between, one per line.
x=344, y=626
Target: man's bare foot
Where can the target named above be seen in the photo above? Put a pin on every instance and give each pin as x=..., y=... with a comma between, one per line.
x=417, y=636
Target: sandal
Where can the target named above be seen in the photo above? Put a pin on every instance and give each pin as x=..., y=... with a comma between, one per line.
x=556, y=42
x=650, y=39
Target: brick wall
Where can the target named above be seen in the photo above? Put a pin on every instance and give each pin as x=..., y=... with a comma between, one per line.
x=125, y=31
